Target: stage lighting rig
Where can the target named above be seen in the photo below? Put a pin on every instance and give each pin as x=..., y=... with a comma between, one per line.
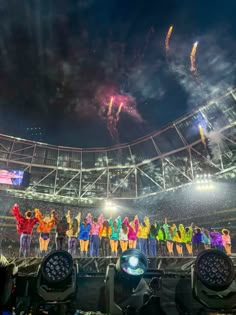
x=213, y=281
x=57, y=276
x=7, y=273
x=126, y=289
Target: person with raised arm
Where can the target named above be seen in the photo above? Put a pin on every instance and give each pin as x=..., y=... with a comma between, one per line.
x=73, y=231
x=143, y=231
x=96, y=224
x=133, y=231
x=83, y=236
x=226, y=239
x=24, y=225
x=114, y=237
x=123, y=237
x=104, y=234
x=62, y=227
x=189, y=239
x=170, y=232
x=45, y=226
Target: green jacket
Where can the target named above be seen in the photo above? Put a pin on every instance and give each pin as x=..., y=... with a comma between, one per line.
x=169, y=234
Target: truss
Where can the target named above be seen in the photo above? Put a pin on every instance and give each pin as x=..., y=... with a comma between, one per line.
x=165, y=160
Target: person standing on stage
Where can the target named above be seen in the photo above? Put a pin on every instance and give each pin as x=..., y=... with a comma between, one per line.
x=226, y=239
x=114, y=237
x=84, y=237
x=104, y=234
x=152, y=240
x=170, y=232
x=96, y=225
x=44, y=228
x=73, y=231
x=25, y=227
x=123, y=237
x=62, y=227
x=143, y=231
x=133, y=231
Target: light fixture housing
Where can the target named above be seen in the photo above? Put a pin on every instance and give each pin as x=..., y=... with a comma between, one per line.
x=132, y=264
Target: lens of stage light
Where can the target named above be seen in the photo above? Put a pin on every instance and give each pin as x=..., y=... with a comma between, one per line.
x=57, y=266
x=214, y=269
x=132, y=263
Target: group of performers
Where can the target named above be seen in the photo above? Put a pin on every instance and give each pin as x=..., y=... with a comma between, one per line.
x=112, y=233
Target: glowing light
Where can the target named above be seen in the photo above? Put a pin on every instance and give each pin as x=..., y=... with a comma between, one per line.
x=167, y=40
x=133, y=261
x=193, y=58
x=110, y=106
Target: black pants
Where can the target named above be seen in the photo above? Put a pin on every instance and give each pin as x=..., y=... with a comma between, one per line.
x=60, y=242
x=105, y=246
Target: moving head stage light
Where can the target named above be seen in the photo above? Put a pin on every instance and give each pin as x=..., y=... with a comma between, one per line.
x=213, y=281
x=126, y=290
x=57, y=277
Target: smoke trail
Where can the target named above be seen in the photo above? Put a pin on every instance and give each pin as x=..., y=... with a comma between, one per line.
x=167, y=40
x=193, y=67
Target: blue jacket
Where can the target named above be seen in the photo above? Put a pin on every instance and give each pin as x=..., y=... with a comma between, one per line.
x=84, y=232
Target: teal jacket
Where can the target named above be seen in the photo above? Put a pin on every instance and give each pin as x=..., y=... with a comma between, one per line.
x=115, y=233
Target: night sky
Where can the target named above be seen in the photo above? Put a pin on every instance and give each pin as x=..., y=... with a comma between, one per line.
x=62, y=60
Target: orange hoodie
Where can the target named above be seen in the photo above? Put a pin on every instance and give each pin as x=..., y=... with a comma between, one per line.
x=44, y=226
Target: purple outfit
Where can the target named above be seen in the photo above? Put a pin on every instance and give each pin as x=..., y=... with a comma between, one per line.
x=216, y=240
x=197, y=238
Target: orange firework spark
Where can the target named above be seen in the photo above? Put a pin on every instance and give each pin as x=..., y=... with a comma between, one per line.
x=110, y=106
x=168, y=36
x=118, y=112
x=202, y=135
x=193, y=58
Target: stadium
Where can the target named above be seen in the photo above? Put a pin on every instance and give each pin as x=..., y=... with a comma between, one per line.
x=176, y=172
x=117, y=157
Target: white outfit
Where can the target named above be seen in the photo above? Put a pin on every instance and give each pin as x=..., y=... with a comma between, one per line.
x=123, y=236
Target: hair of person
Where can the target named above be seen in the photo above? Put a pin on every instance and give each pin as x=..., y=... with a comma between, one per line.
x=225, y=231
x=28, y=214
x=64, y=222
x=95, y=220
x=124, y=228
x=198, y=230
x=187, y=229
x=75, y=226
x=153, y=230
x=179, y=233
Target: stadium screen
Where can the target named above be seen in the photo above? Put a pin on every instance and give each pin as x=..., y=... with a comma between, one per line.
x=14, y=178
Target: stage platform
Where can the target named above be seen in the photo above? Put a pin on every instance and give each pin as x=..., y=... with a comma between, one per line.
x=178, y=265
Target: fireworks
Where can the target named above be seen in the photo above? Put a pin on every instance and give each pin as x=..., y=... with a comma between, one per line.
x=202, y=135
x=193, y=58
x=167, y=40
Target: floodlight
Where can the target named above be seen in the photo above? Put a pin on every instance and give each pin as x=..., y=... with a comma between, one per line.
x=213, y=281
x=214, y=269
x=57, y=277
x=132, y=263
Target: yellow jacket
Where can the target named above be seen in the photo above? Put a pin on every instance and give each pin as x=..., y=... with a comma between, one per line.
x=143, y=231
x=71, y=232
x=180, y=235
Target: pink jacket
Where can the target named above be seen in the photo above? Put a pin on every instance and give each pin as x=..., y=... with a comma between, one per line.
x=95, y=226
x=133, y=230
x=226, y=239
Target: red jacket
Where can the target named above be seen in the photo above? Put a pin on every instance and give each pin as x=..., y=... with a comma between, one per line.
x=23, y=224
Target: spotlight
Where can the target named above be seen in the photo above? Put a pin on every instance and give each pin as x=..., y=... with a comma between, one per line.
x=213, y=280
x=7, y=272
x=124, y=284
x=57, y=277
x=132, y=262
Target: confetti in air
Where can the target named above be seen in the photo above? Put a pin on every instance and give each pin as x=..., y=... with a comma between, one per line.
x=193, y=58
x=167, y=40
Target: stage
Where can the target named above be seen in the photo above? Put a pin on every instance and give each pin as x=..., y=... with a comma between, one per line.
x=180, y=265
x=174, y=274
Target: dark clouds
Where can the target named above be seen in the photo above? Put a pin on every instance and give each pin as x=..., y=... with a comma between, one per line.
x=56, y=59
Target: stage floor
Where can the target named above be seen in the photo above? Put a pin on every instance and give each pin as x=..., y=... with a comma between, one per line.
x=99, y=264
